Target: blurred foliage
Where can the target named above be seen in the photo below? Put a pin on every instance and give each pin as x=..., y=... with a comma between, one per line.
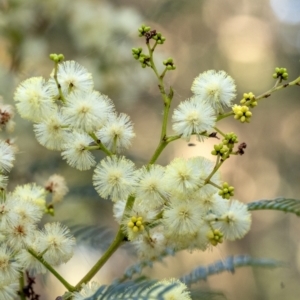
x=247, y=39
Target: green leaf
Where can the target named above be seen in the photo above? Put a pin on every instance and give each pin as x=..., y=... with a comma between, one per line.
x=229, y=264
x=138, y=267
x=91, y=235
x=133, y=290
x=282, y=204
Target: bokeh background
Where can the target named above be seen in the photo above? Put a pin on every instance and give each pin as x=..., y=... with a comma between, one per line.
x=247, y=39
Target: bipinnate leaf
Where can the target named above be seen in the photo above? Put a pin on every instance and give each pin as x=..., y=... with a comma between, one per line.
x=282, y=204
x=229, y=264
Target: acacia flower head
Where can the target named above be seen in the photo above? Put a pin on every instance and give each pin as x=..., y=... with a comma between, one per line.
x=193, y=116
x=151, y=188
x=71, y=77
x=52, y=132
x=235, y=221
x=76, y=153
x=182, y=176
x=7, y=156
x=6, y=115
x=19, y=233
x=115, y=177
x=56, y=184
x=87, y=110
x=151, y=245
x=9, y=290
x=9, y=268
x=117, y=133
x=56, y=242
x=31, y=192
x=182, y=218
x=33, y=99
x=216, y=88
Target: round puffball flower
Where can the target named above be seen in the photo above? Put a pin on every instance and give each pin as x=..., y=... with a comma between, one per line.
x=7, y=156
x=87, y=111
x=151, y=245
x=33, y=99
x=235, y=221
x=52, y=132
x=76, y=154
x=72, y=77
x=9, y=267
x=151, y=188
x=32, y=193
x=6, y=115
x=19, y=233
x=182, y=218
x=193, y=116
x=115, y=177
x=28, y=211
x=216, y=88
x=56, y=184
x=117, y=133
x=56, y=242
x=182, y=176
x=9, y=291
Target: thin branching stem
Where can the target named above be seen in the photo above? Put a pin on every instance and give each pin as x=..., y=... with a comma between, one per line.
x=265, y=94
x=119, y=239
x=215, y=169
x=22, y=285
x=61, y=96
x=66, y=284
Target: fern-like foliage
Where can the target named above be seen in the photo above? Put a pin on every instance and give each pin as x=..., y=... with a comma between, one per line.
x=282, y=204
x=133, y=290
x=91, y=235
x=137, y=268
x=229, y=265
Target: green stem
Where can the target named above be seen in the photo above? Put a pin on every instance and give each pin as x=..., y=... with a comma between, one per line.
x=277, y=88
x=266, y=94
x=109, y=252
x=90, y=148
x=129, y=204
x=214, y=184
x=221, y=117
x=172, y=138
x=163, y=73
x=152, y=64
x=67, y=285
x=22, y=285
x=215, y=169
x=99, y=145
x=167, y=104
x=61, y=96
x=218, y=130
x=161, y=146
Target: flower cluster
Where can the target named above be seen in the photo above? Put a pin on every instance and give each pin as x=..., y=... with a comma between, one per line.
x=183, y=205
x=177, y=206
x=22, y=244
x=20, y=213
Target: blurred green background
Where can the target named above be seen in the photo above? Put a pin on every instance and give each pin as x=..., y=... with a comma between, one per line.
x=247, y=39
